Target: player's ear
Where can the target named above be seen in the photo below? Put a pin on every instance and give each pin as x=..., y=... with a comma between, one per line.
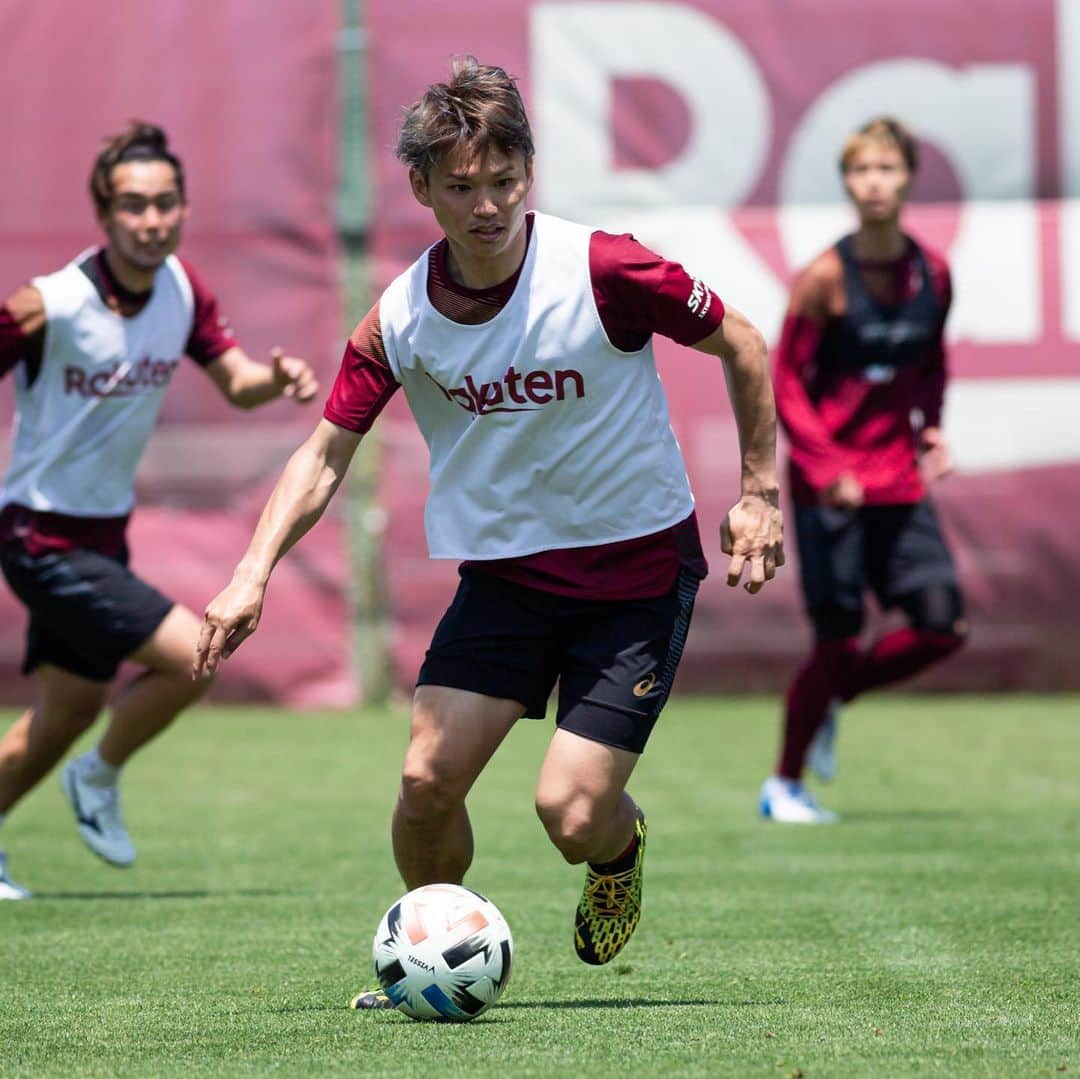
x=419, y=185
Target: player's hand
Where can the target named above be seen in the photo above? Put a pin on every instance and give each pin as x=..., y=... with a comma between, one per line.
x=753, y=532
x=845, y=492
x=937, y=461
x=230, y=618
x=294, y=377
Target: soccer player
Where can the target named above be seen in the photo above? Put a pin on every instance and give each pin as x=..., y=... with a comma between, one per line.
x=861, y=353
x=523, y=344
x=94, y=347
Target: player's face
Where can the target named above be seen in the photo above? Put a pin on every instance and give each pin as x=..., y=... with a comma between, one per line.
x=877, y=181
x=480, y=205
x=145, y=214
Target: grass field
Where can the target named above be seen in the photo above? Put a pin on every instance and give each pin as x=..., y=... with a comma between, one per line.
x=934, y=931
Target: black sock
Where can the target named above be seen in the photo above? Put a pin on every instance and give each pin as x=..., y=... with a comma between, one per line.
x=621, y=863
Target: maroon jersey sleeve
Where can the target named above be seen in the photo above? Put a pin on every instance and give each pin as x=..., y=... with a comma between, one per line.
x=22, y=330
x=639, y=293
x=364, y=382
x=935, y=370
x=812, y=448
x=211, y=334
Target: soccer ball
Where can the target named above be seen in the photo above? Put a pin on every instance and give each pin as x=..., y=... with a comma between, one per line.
x=443, y=952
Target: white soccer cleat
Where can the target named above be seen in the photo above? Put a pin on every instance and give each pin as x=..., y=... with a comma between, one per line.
x=8, y=888
x=789, y=802
x=821, y=756
x=97, y=814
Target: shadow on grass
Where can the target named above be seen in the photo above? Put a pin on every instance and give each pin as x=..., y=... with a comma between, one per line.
x=246, y=893
x=493, y=1015
x=638, y=1003
x=890, y=816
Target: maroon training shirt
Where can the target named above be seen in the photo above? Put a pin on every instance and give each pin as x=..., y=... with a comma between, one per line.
x=637, y=294
x=838, y=419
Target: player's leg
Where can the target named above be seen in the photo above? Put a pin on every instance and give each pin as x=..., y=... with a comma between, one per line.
x=41, y=736
x=490, y=662
x=33, y=744
x=912, y=569
x=620, y=663
x=831, y=568
x=147, y=705
x=581, y=798
x=453, y=734
x=140, y=712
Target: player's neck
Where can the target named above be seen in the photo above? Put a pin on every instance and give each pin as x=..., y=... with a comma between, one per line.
x=132, y=279
x=484, y=273
x=879, y=241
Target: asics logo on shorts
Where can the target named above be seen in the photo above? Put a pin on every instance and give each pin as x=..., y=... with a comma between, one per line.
x=643, y=687
x=514, y=392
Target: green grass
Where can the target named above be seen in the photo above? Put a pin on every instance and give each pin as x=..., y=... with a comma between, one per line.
x=934, y=931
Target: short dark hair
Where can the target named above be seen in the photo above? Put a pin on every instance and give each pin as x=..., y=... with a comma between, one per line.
x=478, y=107
x=885, y=129
x=139, y=141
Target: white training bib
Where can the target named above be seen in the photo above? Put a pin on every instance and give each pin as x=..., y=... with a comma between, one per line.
x=82, y=425
x=542, y=434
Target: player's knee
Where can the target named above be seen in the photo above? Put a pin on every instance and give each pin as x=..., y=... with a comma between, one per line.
x=570, y=826
x=428, y=792
x=938, y=609
x=80, y=718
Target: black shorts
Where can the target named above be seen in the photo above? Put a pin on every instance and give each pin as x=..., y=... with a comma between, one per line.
x=615, y=661
x=88, y=612
x=892, y=551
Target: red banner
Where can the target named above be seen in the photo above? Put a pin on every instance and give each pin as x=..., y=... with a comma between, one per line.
x=248, y=95
x=711, y=130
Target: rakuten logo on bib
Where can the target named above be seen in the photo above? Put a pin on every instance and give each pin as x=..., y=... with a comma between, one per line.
x=515, y=392
x=119, y=380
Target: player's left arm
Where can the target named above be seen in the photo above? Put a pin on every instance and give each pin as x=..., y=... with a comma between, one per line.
x=753, y=530
x=639, y=293
x=933, y=447
x=246, y=383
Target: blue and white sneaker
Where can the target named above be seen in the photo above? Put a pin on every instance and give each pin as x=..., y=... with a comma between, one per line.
x=8, y=888
x=821, y=756
x=789, y=802
x=97, y=816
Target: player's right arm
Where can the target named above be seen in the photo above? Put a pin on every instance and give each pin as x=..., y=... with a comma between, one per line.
x=300, y=497
x=811, y=446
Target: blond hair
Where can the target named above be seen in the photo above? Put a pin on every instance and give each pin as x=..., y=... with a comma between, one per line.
x=881, y=130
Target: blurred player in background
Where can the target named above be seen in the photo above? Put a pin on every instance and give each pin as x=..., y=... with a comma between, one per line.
x=862, y=352
x=523, y=343
x=94, y=347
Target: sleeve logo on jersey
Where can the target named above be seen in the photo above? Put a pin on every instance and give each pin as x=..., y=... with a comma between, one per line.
x=119, y=380
x=700, y=299
x=514, y=392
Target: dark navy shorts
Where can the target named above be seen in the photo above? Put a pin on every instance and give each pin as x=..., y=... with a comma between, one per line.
x=892, y=551
x=614, y=661
x=88, y=612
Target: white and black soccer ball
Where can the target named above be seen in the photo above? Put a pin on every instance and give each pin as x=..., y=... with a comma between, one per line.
x=443, y=952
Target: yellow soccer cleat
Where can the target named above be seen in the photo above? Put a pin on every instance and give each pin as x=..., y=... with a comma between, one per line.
x=371, y=1000
x=610, y=907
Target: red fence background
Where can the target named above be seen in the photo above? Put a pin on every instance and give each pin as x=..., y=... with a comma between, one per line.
x=710, y=129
